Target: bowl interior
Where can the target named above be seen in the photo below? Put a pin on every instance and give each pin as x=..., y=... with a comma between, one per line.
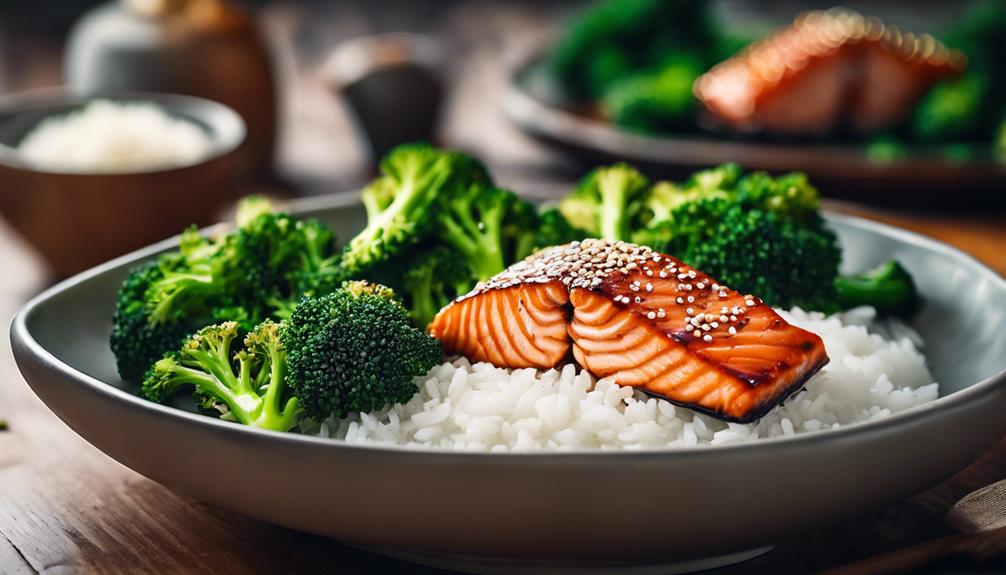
x=20, y=113
x=961, y=322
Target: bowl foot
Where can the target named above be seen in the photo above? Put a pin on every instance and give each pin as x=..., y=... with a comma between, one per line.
x=515, y=566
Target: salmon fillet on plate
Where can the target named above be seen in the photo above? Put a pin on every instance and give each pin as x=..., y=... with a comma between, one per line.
x=640, y=318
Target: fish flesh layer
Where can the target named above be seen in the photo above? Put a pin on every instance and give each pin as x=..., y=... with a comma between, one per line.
x=828, y=70
x=640, y=318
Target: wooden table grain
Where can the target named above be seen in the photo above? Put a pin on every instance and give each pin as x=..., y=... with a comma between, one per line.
x=67, y=508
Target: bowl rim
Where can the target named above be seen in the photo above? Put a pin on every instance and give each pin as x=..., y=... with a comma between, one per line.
x=543, y=119
x=23, y=341
x=227, y=129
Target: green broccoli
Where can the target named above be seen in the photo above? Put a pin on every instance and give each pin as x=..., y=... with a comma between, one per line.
x=953, y=110
x=654, y=101
x=433, y=280
x=889, y=288
x=255, y=272
x=655, y=224
x=783, y=262
x=790, y=196
x=969, y=108
x=618, y=38
x=355, y=350
x=400, y=202
x=488, y=226
x=606, y=201
x=136, y=340
x=248, y=385
x=553, y=230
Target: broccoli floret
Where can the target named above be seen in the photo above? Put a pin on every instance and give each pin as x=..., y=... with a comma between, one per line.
x=434, y=279
x=554, y=230
x=486, y=225
x=605, y=202
x=654, y=101
x=889, y=288
x=783, y=262
x=672, y=215
x=426, y=277
x=355, y=350
x=617, y=38
x=953, y=110
x=247, y=386
x=399, y=203
x=273, y=260
x=137, y=341
x=184, y=289
x=790, y=196
x=253, y=273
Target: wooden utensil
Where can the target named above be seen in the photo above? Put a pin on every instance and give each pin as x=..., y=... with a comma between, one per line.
x=981, y=515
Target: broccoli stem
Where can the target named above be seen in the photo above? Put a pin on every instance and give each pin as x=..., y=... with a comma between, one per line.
x=479, y=241
x=614, y=225
x=272, y=415
x=888, y=288
x=176, y=285
x=420, y=290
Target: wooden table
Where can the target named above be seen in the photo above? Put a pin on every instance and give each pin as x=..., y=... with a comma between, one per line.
x=67, y=508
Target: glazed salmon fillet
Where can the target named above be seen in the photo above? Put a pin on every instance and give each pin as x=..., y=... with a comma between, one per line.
x=641, y=319
x=826, y=69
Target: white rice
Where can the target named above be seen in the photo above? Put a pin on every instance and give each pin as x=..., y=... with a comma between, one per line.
x=114, y=137
x=479, y=407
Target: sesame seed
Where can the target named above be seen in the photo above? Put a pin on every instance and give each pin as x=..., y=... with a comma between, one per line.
x=661, y=312
x=723, y=293
x=692, y=274
x=691, y=299
x=649, y=286
x=634, y=287
x=690, y=311
x=716, y=287
x=715, y=324
x=749, y=302
x=700, y=285
x=723, y=318
x=732, y=330
x=680, y=299
x=733, y=318
x=682, y=276
x=707, y=338
x=662, y=274
x=697, y=333
x=651, y=315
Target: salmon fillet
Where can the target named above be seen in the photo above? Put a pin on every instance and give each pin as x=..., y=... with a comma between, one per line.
x=639, y=317
x=826, y=69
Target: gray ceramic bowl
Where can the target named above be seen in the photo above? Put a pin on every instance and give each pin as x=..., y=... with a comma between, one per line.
x=76, y=220
x=500, y=512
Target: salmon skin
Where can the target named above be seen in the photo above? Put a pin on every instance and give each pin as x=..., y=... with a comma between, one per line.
x=641, y=318
x=826, y=70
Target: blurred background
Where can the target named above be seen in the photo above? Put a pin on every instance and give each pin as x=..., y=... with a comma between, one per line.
x=324, y=88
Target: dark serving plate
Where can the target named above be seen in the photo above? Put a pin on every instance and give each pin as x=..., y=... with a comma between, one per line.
x=650, y=511
x=535, y=103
